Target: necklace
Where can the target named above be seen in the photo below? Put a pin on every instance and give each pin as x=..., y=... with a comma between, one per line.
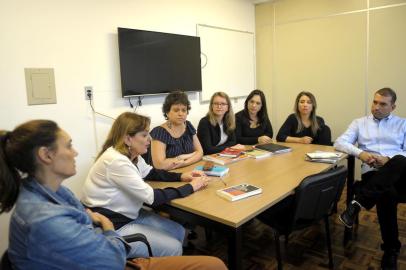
x=175, y=131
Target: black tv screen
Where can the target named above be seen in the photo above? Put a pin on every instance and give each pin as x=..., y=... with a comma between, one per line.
x=155, y=62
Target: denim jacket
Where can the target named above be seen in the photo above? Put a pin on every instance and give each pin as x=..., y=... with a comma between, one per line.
x=51, y=230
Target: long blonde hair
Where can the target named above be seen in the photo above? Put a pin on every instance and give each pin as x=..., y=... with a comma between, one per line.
x=228, y=119
x=313, y=117
x=127, y=123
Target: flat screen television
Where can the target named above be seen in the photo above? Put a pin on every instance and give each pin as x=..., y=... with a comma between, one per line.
x=154, y=62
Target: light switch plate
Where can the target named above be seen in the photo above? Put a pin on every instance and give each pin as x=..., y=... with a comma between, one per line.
x=40, y=83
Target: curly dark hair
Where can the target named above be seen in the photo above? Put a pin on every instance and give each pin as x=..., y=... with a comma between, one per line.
x=175, y=98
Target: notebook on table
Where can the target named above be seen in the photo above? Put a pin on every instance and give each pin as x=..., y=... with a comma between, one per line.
x=274, y=148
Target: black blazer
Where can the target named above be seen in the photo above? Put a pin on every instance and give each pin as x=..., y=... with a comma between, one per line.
x=247, y=135
x=209, y=137
x=323, y=135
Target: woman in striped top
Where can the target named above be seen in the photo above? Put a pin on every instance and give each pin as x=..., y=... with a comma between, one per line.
x=175, y=143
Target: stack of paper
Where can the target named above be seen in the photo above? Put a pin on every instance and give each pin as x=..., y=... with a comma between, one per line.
x=324, y=157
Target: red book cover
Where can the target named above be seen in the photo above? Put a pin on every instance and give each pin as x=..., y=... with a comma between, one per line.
x=230, y=152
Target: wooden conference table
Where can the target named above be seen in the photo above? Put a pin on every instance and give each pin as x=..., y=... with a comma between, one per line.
x=277, y=175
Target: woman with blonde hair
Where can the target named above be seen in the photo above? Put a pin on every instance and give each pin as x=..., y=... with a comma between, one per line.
x=216, y=131
x=304, y=126
x=115, y=187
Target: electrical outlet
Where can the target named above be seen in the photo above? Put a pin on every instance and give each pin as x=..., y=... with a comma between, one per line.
x=88, y=92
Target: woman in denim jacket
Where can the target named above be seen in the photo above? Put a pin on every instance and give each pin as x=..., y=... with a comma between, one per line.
x=49, y=228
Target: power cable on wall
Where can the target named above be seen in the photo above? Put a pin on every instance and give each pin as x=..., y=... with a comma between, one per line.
x=94, y=113
x=139, y=103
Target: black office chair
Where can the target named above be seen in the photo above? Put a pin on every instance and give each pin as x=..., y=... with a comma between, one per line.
x=325, y=134
x=5, y=262
x=137, y=237
x=313, y=201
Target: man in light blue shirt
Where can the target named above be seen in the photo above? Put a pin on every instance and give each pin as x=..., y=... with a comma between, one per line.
x=381, y=146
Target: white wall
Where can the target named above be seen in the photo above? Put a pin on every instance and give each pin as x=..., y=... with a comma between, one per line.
x=79, y=40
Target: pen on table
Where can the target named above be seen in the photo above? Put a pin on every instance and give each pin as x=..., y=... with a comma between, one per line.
x=222, y=180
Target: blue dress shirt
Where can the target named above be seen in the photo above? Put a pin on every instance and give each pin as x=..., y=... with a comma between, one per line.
x=386, y=137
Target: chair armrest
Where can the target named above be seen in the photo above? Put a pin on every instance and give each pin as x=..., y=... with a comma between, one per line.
x=138, y=237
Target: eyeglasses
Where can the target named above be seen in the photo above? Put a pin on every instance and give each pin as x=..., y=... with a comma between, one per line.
x=220, y=104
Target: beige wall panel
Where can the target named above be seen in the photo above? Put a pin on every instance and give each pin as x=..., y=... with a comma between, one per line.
x=264, y=14
x=264, y=42
x=387, y=62
x=264, y=58
x=287, y=10
x=327, y=57
x=378, y=3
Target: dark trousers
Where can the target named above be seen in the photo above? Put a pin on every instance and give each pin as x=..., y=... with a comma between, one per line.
x=385, y=188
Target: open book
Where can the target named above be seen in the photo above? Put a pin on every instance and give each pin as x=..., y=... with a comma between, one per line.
x=238, y=192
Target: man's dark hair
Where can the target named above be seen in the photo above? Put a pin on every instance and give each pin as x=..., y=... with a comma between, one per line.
x=387, y=92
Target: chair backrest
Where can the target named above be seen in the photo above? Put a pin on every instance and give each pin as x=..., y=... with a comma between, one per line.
x=325, y=136
x=317, y=194
x=5, y=262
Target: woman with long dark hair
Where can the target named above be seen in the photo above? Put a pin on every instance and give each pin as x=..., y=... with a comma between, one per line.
x=49, y=226
x=304, y=125
x=252, y=123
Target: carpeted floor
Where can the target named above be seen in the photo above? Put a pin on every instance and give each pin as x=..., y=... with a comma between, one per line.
x=307, y=249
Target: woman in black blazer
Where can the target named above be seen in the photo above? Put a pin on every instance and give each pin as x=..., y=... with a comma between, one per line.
x=216, y=130
x=252, y=123
x=304, y=126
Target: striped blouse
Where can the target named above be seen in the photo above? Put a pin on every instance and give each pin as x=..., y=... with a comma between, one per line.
x=175, y=146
